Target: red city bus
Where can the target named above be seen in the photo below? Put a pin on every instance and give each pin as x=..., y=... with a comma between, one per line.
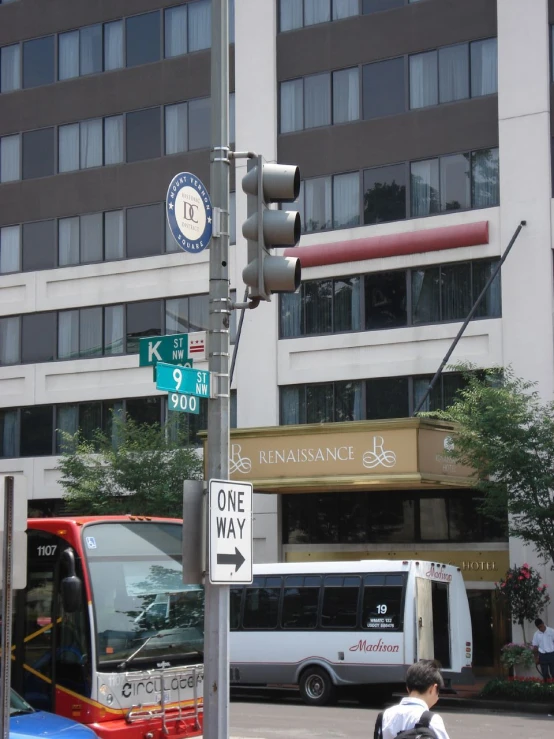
x=106, y=633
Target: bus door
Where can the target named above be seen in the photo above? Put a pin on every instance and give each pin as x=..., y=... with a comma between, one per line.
x=424, y=619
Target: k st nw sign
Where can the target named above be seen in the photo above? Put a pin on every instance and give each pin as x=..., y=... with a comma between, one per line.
x=230, y=557
x=179, y=349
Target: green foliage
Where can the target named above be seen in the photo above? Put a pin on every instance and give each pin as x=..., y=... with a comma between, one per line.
x=519, y=689
x=521, y=589
x=517, y=654
x=506, y=434
x=141, y=474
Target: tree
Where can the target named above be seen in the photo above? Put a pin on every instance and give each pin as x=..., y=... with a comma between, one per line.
x=506, y=434
x=142, y=473
x=526, y=598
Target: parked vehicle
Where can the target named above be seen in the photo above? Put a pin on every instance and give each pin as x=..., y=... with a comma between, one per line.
x=26, y=723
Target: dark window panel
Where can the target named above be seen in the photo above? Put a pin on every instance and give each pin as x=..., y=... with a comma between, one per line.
x=433, y=401
x=143, y=38
x=90, y=419
x=425, y=295
x=261, y=608
x=9, y=432
x=348, y=401
x=325, y=524
x=433, y=519
x=382, y=608
x=144, y=410
x=38, y=62
x=143, y=319
x=144, y=135
x=384, y=88
x=346, y=304
x=91, y=49
x=318, y=306
x=490, y=306
x=385, y=300
x=455, y=291
x=37, y=430
x=39, y=245
x=485, y=178
x=90, y=332
x=453, y=73
x=145, y=232
x=387, y=397
x=199, y=123
x=38, y=337
x=455, y=182
x=424, y=182
x=340, y=603
x=299, y=606
x=385, y=194
x=319, y=403
x=292, y=405
x=38, y=153
x=393, y=520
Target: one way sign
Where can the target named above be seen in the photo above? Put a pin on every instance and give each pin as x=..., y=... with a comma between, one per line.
x=230, y=532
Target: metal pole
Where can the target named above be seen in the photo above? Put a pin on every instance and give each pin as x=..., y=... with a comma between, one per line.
x=468, y=319
x=216, y=620
x=6, y=662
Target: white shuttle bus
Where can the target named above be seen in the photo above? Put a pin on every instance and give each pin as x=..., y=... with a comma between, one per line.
x=322, y=625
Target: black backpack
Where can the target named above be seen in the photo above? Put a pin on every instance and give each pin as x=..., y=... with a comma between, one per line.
x=421, y=730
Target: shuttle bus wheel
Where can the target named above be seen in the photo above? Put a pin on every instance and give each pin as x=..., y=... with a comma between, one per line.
x=316, y=687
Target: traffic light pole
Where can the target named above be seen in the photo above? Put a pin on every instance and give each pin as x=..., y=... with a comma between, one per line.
x=216, y=620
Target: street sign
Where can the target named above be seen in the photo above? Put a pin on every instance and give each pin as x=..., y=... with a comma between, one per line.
x=230, y=528
x=171, y=349
x=189, y=212
x=183, y=380
x=183, y=403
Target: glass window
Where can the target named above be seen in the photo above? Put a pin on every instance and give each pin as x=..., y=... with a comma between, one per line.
x=68, y=148
x=143, y=319
x=345, y=8
x=198, y=312
x=144, y=410
x=316, y=11
x=176, y=128
x=292, y=405
x=38, y=153
x=484, y=67
x=455, y=291
x=455, y=185
x=382, y=603
x=300, y=603
x=200, y=25
x=38, y=62
x=143, y=38
x=375, y=6
x=346, y=200
x=68, y=241
x=9, y=433
x=423, y=80
x=348, y=401
x=393, y=520
x=485, y=178
x=176, y=315
x=290, y=314
x=90, y=332
x=320, y=403
x=10, y=158
x=113, y=140
x=425, y=295
x=199, y=123
x=384, y=88
x=346, y=95
x=91, y=49
x=346, y=304
x=10, y=249
x=91, y=143
x=114, y=245
x=453, y=73
x=39, y=245
x=37, y=431
x=340, y=602
x=290, y=15
x=489, y=307
x=292, y=106
x=317, y=100
x=385, y=300
x=261, y=606
x=68, y=334
x=145, y=230
x=9, y=340
x=317, y=301
x=387, y=397
x=385, y=194
x=91, y=238
x=433, y=519
x=175, y=31
x=10, y=68
x=38, y=337
x=113, y=45
x=114, y=331
x=424, y=178
x=317, y=204
x=433, y=401
x=144, y=136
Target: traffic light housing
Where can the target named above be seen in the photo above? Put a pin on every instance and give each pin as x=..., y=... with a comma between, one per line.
x=266, y=228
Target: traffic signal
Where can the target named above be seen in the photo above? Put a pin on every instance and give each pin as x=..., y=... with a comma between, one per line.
x=266, y=229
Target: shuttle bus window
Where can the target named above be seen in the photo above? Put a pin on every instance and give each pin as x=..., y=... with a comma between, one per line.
x=382, y=602
x=300, y=602
x=261, y=605
x=340, y=602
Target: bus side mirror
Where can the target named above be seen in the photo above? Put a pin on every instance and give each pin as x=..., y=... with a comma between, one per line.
x=71, y=586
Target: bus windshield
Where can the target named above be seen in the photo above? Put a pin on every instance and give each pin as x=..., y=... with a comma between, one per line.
x=143, y=611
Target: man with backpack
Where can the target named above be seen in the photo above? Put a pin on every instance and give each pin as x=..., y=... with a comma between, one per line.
x=411, y=718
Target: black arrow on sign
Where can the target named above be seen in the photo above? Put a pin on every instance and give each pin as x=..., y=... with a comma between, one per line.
x=231, y=559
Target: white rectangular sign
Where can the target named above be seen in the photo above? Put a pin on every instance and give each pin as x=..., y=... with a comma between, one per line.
x=230, y=532
x=19, y=541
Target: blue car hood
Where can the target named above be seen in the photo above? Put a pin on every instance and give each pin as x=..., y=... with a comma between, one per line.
x=47, y=725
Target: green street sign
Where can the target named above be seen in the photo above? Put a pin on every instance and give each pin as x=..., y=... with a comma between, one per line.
x=173, y=349
x=183, y=403
x=183, y=380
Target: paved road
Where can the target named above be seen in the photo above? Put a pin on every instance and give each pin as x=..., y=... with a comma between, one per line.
x=292, y=720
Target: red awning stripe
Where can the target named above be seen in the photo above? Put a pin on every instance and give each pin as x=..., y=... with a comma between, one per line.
x=392, y=245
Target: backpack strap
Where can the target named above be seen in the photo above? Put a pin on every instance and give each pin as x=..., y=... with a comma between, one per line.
x=424, y=719
x=378, y=730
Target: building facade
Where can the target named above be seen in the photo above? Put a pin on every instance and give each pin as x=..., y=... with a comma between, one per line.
x=422, y=131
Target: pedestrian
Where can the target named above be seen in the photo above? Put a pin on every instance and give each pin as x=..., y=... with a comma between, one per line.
x=543, y=646
x=412, y=717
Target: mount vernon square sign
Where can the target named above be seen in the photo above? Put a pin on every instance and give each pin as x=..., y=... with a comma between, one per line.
x=189, y=212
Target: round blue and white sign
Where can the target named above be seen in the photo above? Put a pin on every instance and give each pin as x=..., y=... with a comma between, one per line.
x=189, y=212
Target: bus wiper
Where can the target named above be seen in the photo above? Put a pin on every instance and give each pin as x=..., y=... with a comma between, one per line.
x=131, y=657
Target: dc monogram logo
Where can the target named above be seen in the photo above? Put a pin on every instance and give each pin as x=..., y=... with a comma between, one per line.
x=189, y=212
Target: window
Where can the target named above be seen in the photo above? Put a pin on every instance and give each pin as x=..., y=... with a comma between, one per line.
x=384, y=88
x=143, y=39
x=144, y=410
x=300, y=601
x=144, y=230
x=113, y=45
x=91, y=143
x=292, y=105
x=340, y=602
x=199, y=123
x=39, y=245
x=453, y=73
x=143, y=319
x=36, y=431
x=80, y=52
x=455, y=182
x=114, y=245
x=38, y=337
x=114, y=332
x=10, y=68
x=38, y=153
x=297, y=13
x=175, y=20
x=10, y=158
x=317, y=204
x=10, y=249
x=261, y=603
x=113, y=140
x=382, y=602
x=9, y=340
x=346, y=95
x=317, y=100
x=144, y=140
x=330, y=200
x=68, y=55
x=176, y=128
x=306, y=102
x=183, y=315
x=38, y=62
x=346, y=200
x=485, y=178
x=80, y=333
x=423, y=80
x=9, y=433
x=199, y=25
x=387, y=397
x=425, y=187
x=385, y=194
x=484, y=67
x=386, y=303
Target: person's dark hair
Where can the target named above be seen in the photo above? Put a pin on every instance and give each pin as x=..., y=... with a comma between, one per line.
x=538, y=622
x=421, y=676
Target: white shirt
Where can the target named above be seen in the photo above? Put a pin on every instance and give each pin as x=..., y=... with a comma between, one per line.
x=406, y=715
x=544, y=640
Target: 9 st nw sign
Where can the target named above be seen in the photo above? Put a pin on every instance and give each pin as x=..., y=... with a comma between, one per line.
x=230, y=532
